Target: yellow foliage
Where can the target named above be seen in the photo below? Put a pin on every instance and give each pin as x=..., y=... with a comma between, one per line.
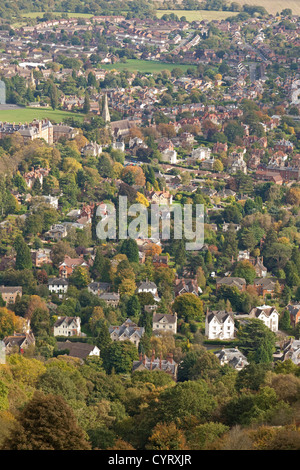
x=141, y=199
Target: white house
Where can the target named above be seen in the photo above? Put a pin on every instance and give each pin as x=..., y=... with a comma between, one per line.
x=51, y=200
x=58, y=286
x=267, y=314
x=201, y=153
x=169, y=156
x=219, y=325
x=148, y=286
x=67, y=326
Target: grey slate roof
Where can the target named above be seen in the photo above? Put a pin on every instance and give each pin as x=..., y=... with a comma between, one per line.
x=128, y=328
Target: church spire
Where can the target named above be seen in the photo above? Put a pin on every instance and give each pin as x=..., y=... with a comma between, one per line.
x=105, y=110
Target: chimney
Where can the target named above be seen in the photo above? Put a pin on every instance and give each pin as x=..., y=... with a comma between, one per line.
x=141, y=357
x=153, y=355
x=170, y=358
x=144, y=359
x=160, y=359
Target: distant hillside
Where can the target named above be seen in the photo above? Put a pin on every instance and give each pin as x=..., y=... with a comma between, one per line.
x=17, y=9
x=274, y=6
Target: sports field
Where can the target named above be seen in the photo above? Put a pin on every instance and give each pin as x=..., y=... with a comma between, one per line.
x=29, y=114
x=144, y=66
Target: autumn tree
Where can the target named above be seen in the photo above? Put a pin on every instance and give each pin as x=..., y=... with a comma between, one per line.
x=46, y=423
x=166, y=437
x=188, y=306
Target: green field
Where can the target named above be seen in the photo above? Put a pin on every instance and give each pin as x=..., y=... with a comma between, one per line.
x=197, y=15
x=144, y=66
x=35, y=14
x=29, y=114
x=274, y=6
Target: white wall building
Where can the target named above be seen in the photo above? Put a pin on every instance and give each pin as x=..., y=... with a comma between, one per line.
x=67, y=326
x=169, y=156
x=219, y=325
x=58, y=286
x=267, y=314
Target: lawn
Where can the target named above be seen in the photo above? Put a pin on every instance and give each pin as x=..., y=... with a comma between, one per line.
x=197, y=15
x=144, y=66
x=29, y=114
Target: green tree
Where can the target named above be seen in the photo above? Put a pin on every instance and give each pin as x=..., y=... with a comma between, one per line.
x=86, y=104
x=53, y=95
x=23, y=256
x=119, y=357
x=130, y=249
x=245, y=270
x=188, y=306
x=256, y=341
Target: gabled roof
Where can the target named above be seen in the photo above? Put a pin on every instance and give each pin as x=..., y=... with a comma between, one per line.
x=58, y=282
x=128, y=329
x=293, y=309
x=265, y=309
x=220, y=316
x=80, y=350
x=67, y=320
x=160, y=317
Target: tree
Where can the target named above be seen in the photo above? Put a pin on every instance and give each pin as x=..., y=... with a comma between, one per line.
x=80, y=277
x=166, y=437
x=46, y=423
x=119, y=357
x=251, y=377
x=245, y=270
x=40, y=322
x=133, y=307
x=23, y=257
x=186, y=399
x=233, y=130
x=130, y=249
x=218, y=166
x=53, y=95
x=285, y=321
x=188, y=306
x=9, y=323
x=86, y=104
x=256, y=341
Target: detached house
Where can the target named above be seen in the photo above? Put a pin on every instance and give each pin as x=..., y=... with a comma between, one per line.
x=128, y=331
x=238, y=282
x=148, y=286
x=153, y=363
x=232, y=357
x=267, y=314
x=184, y=286
x=265, y=285
x=58, y=286
x=67, y=267
x=164, y=322
x=159, y=197
x=10, y=293
x=219, y=325
x=67, y=326
x=80, y=350
x=294, y=311
x=18, y=341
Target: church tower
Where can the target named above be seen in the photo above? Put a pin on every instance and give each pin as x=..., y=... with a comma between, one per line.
x=105, y=110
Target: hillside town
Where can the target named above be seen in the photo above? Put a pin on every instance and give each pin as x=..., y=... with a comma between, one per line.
x=139, y=342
